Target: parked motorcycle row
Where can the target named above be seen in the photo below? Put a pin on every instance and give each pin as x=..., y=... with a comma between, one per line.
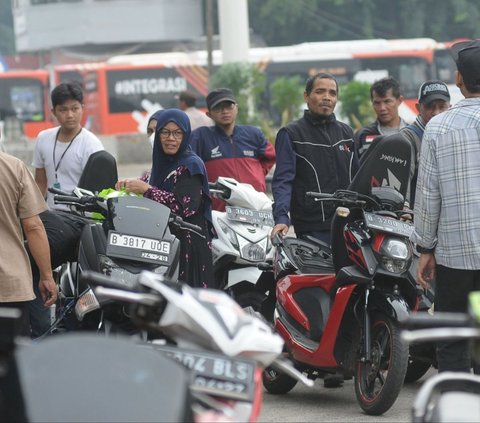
x=291, y=310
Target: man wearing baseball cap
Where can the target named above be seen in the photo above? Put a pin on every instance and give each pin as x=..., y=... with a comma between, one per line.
x=447, y=227
x=236, y=151
x=433, y=98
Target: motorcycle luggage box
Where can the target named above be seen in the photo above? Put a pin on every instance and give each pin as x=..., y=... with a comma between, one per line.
x=88, y=378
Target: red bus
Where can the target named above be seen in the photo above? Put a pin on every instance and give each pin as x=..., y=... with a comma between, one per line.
x=25, y=95
x=118, y=97
x=121, y=93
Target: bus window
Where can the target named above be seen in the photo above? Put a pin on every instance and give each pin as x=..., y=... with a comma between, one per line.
x=445, y=66
x=408, y=71
x=69, y=76
x=23, y=98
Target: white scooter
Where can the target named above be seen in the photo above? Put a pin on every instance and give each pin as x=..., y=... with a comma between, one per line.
x=243, y=239
x=225, y=347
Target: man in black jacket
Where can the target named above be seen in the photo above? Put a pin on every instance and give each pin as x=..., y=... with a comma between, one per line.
x=386, y=99
x=314, y=153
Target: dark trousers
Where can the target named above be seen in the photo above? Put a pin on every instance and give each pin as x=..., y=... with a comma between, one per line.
x=324, y=236
x=451, y=295
x=22, y=326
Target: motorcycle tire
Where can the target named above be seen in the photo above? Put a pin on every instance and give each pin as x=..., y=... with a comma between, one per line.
x=277, y=383
x=251, y=299
x=415, y=370
x=378, y=383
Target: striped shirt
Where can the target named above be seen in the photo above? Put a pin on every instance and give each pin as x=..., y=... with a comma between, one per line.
x=447, y=204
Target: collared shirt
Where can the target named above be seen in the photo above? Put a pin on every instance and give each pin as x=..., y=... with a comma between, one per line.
x=447, y=204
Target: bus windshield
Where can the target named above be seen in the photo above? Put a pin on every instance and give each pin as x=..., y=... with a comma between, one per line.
x=23, y=98
x=409, y=71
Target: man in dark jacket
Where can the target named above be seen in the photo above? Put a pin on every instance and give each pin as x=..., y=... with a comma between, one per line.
x=314, y=153
x=386, y=99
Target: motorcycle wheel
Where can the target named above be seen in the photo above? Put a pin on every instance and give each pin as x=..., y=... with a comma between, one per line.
x=378, y=383
x=415, y=370
x=251, y=299
x=277, y=383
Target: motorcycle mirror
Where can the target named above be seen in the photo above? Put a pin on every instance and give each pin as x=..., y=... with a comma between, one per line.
x=342, y=211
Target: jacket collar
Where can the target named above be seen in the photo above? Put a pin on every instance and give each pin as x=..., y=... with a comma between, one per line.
x=315, y=119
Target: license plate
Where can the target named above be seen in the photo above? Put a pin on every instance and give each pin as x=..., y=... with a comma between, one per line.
x=255, y=217
x=215, y=374
x=387, y=224
x=138, y=248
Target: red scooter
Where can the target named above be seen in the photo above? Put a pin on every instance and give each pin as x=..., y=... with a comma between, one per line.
x=338, y=309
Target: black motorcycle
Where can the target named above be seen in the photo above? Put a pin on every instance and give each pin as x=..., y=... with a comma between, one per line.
x=135, y=235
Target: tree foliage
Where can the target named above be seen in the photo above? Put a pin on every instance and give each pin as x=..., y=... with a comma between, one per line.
x=284, y=22
x=356, y=104
x=287, y=97
x=247, y=83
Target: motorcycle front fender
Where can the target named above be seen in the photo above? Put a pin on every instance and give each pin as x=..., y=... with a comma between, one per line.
x=244, y=274
x=392, y=305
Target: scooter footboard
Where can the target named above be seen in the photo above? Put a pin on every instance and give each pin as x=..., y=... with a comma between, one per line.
x=391, y=304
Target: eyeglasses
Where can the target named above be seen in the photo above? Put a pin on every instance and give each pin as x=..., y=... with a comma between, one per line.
x=177, y=134
x=223, y=106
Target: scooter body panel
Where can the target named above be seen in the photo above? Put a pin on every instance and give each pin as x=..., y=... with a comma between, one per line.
x=243, y=274
x=291, y=284
x=243, y=231
x=323, y=356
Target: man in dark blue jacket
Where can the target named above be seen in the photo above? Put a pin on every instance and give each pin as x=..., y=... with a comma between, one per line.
x=314, y=153
x=236, y=151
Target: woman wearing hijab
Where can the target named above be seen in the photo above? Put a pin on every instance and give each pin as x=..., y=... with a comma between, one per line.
x=178, y=179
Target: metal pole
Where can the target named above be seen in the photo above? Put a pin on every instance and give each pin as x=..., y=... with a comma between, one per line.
x=209, y=13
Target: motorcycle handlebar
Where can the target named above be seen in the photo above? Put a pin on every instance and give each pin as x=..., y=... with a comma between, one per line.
x=61, y=199
x=277, y=239
x=180, y=222
x=58, y=191
x=438, y=320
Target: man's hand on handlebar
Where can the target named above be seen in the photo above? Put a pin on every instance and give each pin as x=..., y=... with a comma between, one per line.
x=280, y=227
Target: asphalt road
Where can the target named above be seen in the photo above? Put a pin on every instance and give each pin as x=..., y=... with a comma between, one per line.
x=319, y=404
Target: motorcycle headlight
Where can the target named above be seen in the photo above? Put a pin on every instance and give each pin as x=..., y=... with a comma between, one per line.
x=253, y=251
x=395, y=255
x=85, y=304
x=230, y=233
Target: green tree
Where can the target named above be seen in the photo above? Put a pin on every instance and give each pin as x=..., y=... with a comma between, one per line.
x=284, y=22
x=287, y=97
x=356, y=104
x=247, y=83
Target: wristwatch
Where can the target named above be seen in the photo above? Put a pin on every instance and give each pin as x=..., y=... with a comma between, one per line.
x=423, y=250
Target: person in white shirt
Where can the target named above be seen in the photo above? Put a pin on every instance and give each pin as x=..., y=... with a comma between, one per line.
x=187, y=102
x=61, y=153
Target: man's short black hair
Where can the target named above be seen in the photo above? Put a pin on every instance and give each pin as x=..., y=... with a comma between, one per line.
x=66, y=91
x=188, y=98
x=381, y=87
x=321, y=75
